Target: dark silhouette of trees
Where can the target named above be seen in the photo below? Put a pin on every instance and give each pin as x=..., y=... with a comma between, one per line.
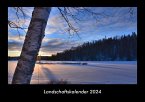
x=108, y=49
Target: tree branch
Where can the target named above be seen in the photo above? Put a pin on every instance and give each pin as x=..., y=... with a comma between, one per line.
x=71, y=28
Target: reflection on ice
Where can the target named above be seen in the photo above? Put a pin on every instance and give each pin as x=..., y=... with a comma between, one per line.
x=95, y=72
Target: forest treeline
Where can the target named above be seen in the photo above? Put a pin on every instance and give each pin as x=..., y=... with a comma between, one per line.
x=118, y=48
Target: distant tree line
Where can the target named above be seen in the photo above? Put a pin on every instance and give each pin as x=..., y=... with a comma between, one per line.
x=122, y=48
x=13, y=58
x=42, y=58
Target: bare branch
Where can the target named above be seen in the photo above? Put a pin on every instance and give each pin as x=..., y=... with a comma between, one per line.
x=67, y=14
x=131, y=10
x=13, y=24
x=19, y=10
x=71, y=28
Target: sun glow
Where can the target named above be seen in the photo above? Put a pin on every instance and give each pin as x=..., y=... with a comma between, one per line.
x=17, y=53
x=14, y=53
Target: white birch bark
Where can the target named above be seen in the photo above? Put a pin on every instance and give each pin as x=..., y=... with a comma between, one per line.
x=31, y=46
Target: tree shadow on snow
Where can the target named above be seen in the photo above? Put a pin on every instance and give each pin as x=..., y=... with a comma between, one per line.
x=51, y=77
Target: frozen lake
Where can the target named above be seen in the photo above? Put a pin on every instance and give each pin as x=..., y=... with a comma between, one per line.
x=95, y=72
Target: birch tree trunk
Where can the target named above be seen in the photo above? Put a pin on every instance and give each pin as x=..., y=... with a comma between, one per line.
x=31, y=46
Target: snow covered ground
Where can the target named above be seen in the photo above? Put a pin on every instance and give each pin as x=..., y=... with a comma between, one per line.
x=95, y=72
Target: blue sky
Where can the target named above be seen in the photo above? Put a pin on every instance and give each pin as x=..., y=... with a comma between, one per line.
x=111, y=21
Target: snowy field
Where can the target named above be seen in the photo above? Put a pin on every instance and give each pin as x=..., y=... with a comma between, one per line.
x=95, y=72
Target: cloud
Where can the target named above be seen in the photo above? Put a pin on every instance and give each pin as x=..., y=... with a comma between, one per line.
x=16, y=37
x=28, y=11
x=50, y=30
x=55, y=24
x=57, y=45
x=15, y=41
x=49, y=46
x=14, y=45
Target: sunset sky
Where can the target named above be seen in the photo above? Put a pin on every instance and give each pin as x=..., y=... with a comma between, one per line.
x=113, y=21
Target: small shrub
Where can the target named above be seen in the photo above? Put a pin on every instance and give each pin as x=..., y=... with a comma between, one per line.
x=61, y=81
